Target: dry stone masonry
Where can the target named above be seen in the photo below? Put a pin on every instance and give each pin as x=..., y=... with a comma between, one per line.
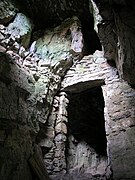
x=93, y=71
x=67, y=113
x=119, y=108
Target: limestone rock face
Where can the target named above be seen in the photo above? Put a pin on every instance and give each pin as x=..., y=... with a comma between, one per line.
x=21, y=28
x=62, y=41
x=117, y=22
x=105, y=30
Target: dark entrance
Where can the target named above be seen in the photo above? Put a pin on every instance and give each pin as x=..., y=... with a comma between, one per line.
x=86, y=118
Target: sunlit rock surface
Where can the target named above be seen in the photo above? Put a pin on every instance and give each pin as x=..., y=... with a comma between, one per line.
x=61, y=42
x=21, y=28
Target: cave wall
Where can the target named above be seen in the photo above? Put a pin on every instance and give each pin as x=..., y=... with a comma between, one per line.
x=114, y=23
x=92, y=71
x=28, y=83
x=34, y=101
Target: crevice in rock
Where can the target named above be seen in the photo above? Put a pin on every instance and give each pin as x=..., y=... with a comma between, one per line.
x=112, y=63
x=91, y=39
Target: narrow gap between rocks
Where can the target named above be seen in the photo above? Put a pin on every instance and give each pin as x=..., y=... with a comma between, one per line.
x=91, y=39
x=91, y=42
x=86, y=119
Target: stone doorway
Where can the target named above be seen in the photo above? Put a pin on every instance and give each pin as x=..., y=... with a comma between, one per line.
x=76, y=137
x=87, y=144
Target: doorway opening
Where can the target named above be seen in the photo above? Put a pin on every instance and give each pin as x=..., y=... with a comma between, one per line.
x=86, y=119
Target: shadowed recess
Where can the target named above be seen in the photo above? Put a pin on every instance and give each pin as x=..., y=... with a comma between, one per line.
x=86, y=118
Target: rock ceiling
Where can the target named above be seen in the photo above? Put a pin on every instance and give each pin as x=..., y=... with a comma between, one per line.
x=48, y=13
x=115, y=30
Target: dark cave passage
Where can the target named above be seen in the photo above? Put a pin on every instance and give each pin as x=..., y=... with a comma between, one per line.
x=91, y=39
x=91, y=42
x=86, y=119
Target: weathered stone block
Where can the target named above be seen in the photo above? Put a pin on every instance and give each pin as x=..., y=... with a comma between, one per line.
x=59, y=43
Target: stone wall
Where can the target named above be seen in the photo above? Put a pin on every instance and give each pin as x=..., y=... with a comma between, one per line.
x=55, y=143
x=28, y=83
x=119, y=109
x=114, y=23
x=65, y=157
x=33, y=104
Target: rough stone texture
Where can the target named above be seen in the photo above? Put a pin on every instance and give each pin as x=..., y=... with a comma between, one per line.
x=78, y=161
x=117, y=23
x=85, y=157
x=61, y=42
x=15, y=149
x=18, y=117
x=122, y=154
x=119, y=109
x=45, y=73
x=56, y=137
x=30, y=111
x=119, y=114
x=21, y=28
x=105, y=27
x=33, y=82
x=7, y=11
x=92, y=70
x=82, y=156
